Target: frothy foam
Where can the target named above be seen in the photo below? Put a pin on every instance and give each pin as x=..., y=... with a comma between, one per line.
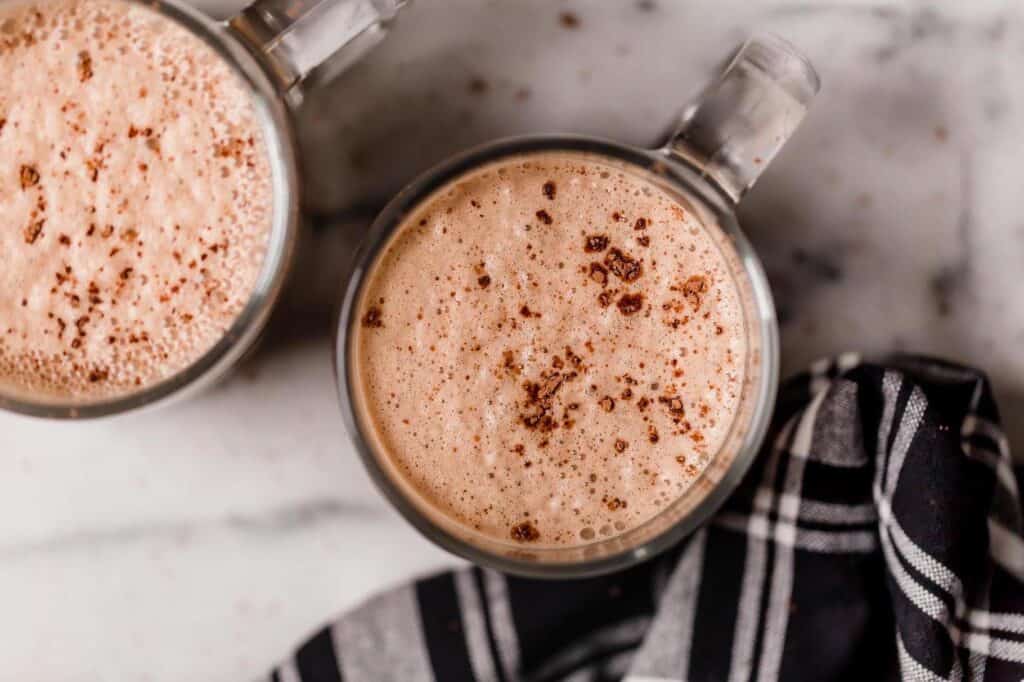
x=135, y=195
x=550, y=350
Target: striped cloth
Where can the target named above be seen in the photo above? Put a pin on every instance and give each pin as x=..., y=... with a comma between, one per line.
x=877, y=537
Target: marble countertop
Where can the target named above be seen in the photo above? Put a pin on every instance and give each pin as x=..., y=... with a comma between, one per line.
x=204, y=540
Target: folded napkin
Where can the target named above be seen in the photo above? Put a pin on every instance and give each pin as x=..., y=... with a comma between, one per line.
x=877, y=537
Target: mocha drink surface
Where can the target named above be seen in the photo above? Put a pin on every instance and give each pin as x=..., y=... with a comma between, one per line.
x=550, y=350
x=135, y=198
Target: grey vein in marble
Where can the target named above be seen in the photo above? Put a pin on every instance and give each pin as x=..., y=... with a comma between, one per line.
x=293, y=518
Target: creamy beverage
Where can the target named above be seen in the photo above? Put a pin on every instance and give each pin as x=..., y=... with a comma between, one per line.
x=550, y=349
x=135, y=198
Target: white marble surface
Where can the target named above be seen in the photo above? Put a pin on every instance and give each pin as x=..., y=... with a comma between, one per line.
x=202, y=541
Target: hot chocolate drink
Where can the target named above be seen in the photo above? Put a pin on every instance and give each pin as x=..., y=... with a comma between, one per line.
x=135, y=195
x=550, y=349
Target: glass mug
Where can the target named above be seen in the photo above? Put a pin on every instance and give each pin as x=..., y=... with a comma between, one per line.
x=279, y=49
x=723, y=143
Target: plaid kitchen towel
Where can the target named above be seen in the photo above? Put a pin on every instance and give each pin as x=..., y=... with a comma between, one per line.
x=878, y=537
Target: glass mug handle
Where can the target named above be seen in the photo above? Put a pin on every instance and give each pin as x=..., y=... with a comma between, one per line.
x=742, y=119
x=312, y=40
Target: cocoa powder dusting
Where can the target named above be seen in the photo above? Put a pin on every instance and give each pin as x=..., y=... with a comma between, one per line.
x=694, y=289
x=623, y=266
x=525, y=532
x=526, y=312
x=630, y=303
x=573, y=358
x=550, y=383
x=29, y=177
x=84, y=66
x=511, y=366
x=675, y=405
x=540, y=396
x=595, y=243
x=372, y=318
x=32, y=232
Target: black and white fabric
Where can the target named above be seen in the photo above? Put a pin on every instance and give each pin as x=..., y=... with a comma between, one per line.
x=877, y=537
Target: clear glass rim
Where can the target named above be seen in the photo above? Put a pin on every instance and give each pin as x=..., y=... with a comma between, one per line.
x=676, y=173
x=281, y=149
